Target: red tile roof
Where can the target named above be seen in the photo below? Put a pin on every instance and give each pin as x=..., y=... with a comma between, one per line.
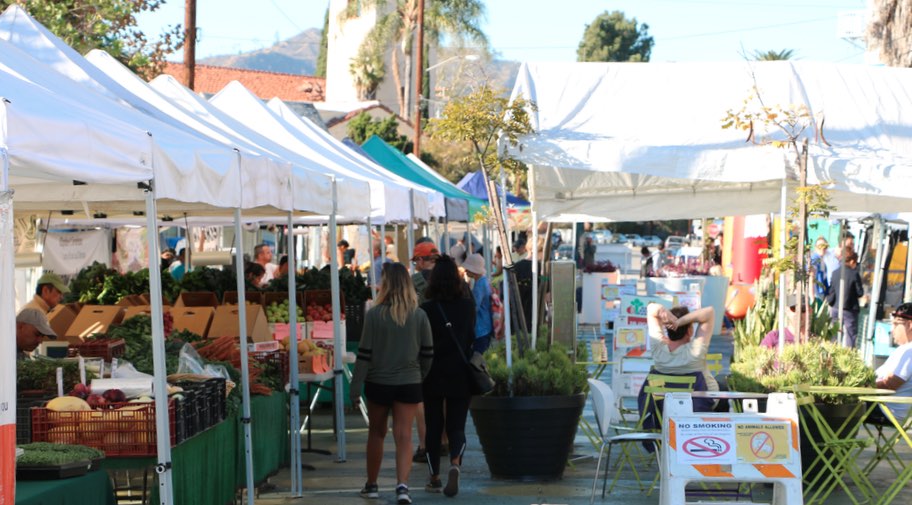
x=266, y=85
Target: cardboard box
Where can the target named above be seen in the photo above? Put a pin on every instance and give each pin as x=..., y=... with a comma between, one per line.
x=197, y=299
x=61, y=317
x=323, y=330
x=93, y=319
x=133, y=300
x=194, y=319
x=231, y=297
x=225, y=323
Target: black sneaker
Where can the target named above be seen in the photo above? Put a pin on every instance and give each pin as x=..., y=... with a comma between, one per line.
x=434, y=486
x=452, y=486
x=420, y=455
x=370, y=491
x=402, y=495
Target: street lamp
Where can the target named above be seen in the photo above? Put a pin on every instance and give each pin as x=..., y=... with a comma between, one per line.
x=416, y=142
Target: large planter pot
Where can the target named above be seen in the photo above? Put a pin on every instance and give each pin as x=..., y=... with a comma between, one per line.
x=836, y=416
x=527, y=438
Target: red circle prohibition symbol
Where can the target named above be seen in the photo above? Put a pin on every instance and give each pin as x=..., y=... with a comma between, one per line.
x=706, y=447
x=761, y=444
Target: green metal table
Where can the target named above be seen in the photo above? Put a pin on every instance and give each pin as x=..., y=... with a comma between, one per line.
x=93, y=488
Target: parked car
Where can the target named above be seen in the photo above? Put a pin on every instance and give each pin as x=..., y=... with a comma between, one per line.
x=602, y=236
x=635, y=239
x=675, y=241
x=619, y=238
x=651, y=241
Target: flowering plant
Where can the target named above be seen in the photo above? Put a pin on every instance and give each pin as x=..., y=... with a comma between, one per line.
x=600, y=267
x=685, y=268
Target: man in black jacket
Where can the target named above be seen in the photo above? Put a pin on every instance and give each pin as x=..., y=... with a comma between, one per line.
x=854, y=293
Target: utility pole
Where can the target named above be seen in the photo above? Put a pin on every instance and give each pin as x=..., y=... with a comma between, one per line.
x=419, y=80
x=190, y=42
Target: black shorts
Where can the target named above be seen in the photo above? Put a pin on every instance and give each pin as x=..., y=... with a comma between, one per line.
x=386, y=395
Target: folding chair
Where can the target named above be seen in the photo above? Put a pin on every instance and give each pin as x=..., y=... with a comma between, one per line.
x=606, y=414
x=655, y=387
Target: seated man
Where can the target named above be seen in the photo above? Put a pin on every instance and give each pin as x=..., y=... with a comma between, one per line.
x=896, y=372
x=31, y=328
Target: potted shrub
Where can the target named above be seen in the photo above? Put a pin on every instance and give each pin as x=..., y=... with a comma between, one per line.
x=526, y=426
x=818, y=363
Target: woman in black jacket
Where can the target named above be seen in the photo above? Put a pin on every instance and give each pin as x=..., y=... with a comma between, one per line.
x=451, y=311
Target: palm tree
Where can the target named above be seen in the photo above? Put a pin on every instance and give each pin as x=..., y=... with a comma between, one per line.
x=396, y=29
x=771, y=55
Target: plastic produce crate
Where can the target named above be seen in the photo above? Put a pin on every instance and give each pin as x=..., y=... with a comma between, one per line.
x=105, y=348
x=127, y=430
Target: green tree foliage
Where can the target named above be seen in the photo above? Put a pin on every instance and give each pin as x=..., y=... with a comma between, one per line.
x=395, y=31
x=613, y=37
x=771, y=55
x=324, y=47
x=109, y=25
x=363, y=126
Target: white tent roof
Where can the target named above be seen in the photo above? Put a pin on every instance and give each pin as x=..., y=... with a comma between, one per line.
x=636, y=141
x=187, y=168
x=295, y=123
x=262, y=174
x=361, y=195
x=89, y=146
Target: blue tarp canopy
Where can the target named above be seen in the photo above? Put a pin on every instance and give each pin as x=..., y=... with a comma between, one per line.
x=473, y=183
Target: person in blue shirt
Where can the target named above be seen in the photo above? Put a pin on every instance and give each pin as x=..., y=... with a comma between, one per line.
x=820, y=270
x=377, y=264
x=481, y=292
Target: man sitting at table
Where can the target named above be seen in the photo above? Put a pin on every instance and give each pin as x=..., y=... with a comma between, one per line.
x=897, y=370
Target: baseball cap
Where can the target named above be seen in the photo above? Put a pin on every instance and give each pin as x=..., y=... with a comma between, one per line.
x=425, y=249
x=904, y=311
x=54, y=280
x=37, y=319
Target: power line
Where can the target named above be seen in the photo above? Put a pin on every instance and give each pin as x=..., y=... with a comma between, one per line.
x=274, y=4
x=751, y=29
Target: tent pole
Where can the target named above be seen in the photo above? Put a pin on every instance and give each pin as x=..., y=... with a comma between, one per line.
x=879, y=258
x=245, y=382
x=7, y=341
x=783, y=292
x=297, y=487
x=508, y=260
x=160, y=384
x=338, y=341
x=840, y=304
x=409, y=232
x=907, y=292
x=370, y=258
x=535, y=257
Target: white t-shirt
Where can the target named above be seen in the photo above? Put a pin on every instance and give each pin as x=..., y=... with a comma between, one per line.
x=899, y=364
x=270, y=272
x=688, y=358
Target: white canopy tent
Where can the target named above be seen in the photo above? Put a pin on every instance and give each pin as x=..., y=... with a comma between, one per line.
x=617, y=141
x=420, y=197
x=239, y=103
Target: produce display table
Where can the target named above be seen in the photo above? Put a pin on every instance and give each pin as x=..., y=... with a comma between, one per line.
x=209, y=467
x=93, y=488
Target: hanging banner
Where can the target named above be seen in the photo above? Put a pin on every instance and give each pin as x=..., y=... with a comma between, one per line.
x=131, y=254
x=7, y=354
x=66, y=253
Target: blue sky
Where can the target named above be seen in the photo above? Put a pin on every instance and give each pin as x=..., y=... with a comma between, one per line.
x=529, y=30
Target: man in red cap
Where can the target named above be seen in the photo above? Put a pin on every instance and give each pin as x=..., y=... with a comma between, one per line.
x=424, y=257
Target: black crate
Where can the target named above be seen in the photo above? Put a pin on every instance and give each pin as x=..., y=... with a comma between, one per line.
x=218, y=406
x=24, y=416
x=354, y=322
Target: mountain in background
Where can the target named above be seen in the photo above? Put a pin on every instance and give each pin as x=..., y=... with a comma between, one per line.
x=298, y=55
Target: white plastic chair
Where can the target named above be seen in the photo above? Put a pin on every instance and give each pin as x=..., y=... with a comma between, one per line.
x=606, y=414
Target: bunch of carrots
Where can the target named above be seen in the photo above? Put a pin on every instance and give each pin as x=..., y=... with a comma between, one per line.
x=226, y=349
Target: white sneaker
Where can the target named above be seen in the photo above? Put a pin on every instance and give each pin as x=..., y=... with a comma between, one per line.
x=402, y=495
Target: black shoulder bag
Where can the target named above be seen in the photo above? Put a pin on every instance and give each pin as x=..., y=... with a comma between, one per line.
x=480, y=381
